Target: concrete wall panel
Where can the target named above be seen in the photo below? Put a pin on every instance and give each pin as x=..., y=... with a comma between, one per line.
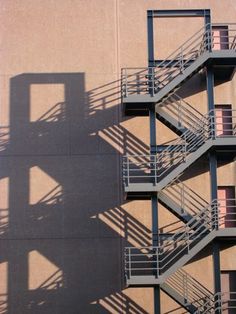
x=63, y=218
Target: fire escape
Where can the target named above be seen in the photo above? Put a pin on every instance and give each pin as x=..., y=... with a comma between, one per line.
x=153, y=91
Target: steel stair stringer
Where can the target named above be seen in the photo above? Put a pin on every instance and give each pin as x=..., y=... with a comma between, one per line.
x=187, y=291
x=183, y=166
x=171, y=170
x=194, y=156
x=221, y=233
x=151, y=88
x=220, y=302
x=181, y=200
x=175, y=208
x=152, y=280
x=178, y=115
x=170, y=122
x=144, y=87
x=178, y=298
x=173, y=85
x=186, y=258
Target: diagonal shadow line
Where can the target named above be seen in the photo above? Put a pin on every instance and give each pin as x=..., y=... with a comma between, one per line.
x=55, y=113
x=121, y=302
x=55, y=280
x=130, y=143
x=129, y=225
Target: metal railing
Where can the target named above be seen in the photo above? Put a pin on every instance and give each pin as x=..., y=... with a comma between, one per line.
x=224, y=122
x=187, y=199
x=156, y=260
x=186, y=115
x=152, y=168
x=192, y=291
x=226, y=213
x=221, y=302
x=151, y=80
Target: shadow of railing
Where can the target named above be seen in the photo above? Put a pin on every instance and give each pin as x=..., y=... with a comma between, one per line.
x=127, y=142
x=118, y=303
x=176, y=310
x=129, y=227
x=4, y=138
x=4, y=221
x=57, y=113
x=52, y=287
x=3, y=303
x=55, y=281
x=170, y=229
x=64, y=212
x=102, y=98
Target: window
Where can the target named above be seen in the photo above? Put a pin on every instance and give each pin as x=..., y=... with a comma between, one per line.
x=228, y=284
x=220, y=37
x=227, y=209
x=223, y=123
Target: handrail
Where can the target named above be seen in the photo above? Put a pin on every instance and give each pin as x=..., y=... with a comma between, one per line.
x=155, y=167
x=151, y=80
x=221, y=301
x=192, y=291
x=186, y=115
x=189, y=201
x=156, y=260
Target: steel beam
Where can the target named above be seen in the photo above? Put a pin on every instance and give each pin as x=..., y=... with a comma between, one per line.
x=180, y=13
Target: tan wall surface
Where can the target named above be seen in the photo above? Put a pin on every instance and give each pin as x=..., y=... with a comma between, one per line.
x=63, y=218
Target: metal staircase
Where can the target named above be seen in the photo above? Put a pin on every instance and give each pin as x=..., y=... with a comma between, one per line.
x=155, y=264
x=179, y=115
x=154, y=172
x=187, y=291
x=223, y=302
x=182, y=201
x=154, y=88
x=152, y=84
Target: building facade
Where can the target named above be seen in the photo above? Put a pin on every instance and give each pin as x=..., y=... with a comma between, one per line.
x=118, y=188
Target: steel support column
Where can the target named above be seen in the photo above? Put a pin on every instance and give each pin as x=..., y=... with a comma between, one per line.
x=151, y=14
x=152, y=121
x=151, y=57
x=157, y=303
x=216, y=264
x=154, y=204
x=213, y=182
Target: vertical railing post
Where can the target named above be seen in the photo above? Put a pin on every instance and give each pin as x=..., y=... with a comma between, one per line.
x=187, y=238
x=213, y=124
x=184, y=292
x=208, y=33
x=180, y=113
x=129, y=259
x=186, y=284
x=138, y=82
x=127, y=167
x=155, y=169
x=153, y=81
x=185, y=147
x=215, y=216
x=185, y=288
x=218, y=303
x=157, y=262
x=181, y=60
